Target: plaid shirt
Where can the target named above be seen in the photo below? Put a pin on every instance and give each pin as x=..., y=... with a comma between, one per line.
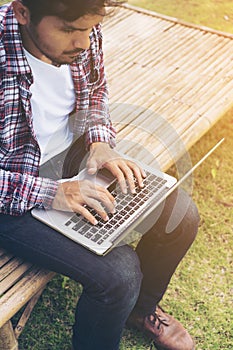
x=20, y=186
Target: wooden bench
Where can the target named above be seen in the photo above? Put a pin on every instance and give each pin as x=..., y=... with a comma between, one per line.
x=21, y=284
x=170, y=82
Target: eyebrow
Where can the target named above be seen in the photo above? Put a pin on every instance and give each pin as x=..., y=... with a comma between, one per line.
x=71, y=27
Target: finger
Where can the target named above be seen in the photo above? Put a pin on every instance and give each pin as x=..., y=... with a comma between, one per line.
x=129, y=176
x=96, y=205
x=139, y=175
x=89, y=190
x=95, y=195
x=85, y=213
x=107, y=200
x=118, y=174
x=101, y=195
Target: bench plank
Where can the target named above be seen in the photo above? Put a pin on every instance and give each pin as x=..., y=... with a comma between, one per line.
x=24, y=289
x=170, y=82
x=4, y=258
x=13, y=271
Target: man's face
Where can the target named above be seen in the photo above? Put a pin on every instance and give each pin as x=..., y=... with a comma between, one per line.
x=56, y=41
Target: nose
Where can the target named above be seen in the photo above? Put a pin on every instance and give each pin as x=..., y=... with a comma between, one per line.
x=82, y=41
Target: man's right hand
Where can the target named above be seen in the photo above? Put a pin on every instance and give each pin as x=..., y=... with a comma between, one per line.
x=74, y=195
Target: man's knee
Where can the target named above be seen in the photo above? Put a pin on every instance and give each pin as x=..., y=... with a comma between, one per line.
x=123, y=278
x=184, y=214
x=183, y=219
x=177, y=215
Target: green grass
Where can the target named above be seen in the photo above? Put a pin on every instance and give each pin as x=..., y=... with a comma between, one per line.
x=201, y=292
x=217, y=14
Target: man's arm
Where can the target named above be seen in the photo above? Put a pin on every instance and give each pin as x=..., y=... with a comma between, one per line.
x=100, y=134
x=22, y=192
x=100, y=139
x=99, y=127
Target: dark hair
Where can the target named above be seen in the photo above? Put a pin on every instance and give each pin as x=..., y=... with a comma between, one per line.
x=69, y=10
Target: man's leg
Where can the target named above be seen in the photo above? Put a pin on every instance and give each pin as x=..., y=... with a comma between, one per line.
x=160, y=250
x=111, y=284
x=170, y=231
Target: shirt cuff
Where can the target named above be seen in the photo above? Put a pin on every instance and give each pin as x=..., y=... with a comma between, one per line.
x=47, y=192
x=101, y=133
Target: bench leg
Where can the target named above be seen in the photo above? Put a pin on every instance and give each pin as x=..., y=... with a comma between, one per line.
x=26, y=314
x=7, y=337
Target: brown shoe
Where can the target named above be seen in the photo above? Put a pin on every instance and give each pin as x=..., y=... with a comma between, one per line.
x=165, y=331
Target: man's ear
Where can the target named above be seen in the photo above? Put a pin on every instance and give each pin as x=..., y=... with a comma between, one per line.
x=22, y=13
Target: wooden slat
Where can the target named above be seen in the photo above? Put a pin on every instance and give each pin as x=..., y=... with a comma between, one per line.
x=26, y=313
x=4, y=259
x=22, y=292
x=170, y=81
x=13, y=276
x=7, y=269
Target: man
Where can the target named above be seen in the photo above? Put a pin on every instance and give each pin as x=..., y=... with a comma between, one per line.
x=52, y=65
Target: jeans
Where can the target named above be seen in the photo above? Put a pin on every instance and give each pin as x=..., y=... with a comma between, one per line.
x=113, y=285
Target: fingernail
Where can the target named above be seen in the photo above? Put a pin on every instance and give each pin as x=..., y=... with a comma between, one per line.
x=91, y=171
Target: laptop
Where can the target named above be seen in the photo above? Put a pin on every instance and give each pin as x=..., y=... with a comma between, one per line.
x=131, y=209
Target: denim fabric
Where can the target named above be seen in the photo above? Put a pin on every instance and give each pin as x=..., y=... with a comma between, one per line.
x=111, y=284
x=115, y=283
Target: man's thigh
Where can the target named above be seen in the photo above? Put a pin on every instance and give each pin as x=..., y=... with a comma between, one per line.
x=169, y=217
x=36, y=242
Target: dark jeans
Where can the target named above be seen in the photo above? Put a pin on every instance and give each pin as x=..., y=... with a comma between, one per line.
x=115, y=283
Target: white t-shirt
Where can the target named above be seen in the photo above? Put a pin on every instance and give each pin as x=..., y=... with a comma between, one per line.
x=53, y=99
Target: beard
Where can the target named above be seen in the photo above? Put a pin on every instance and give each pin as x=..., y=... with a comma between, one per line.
x=41, y=48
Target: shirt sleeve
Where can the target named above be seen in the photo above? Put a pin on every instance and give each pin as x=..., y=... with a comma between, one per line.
x=99, y=126
x=22, y=192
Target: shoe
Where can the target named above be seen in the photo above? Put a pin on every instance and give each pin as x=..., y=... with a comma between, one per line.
x=165, y=331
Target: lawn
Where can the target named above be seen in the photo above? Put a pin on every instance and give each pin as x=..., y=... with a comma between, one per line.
x=201, y=291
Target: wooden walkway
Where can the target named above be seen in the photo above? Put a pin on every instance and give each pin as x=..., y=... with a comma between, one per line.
x=170, y=81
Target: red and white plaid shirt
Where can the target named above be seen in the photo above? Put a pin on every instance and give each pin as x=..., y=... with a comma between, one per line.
x=21, y=188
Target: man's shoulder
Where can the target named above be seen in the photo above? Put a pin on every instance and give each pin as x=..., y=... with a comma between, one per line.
x=6, y=19
x=5, y=11
x=9, y=36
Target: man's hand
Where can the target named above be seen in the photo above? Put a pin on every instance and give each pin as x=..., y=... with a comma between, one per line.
x=74, y=195
x=126, y=171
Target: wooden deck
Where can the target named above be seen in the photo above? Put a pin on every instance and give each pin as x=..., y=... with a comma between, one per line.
x=170, y=82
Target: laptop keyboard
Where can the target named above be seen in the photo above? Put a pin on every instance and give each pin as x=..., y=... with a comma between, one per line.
x=127, y=205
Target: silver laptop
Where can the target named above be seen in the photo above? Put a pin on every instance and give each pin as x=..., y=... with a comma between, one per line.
x=131, y=209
